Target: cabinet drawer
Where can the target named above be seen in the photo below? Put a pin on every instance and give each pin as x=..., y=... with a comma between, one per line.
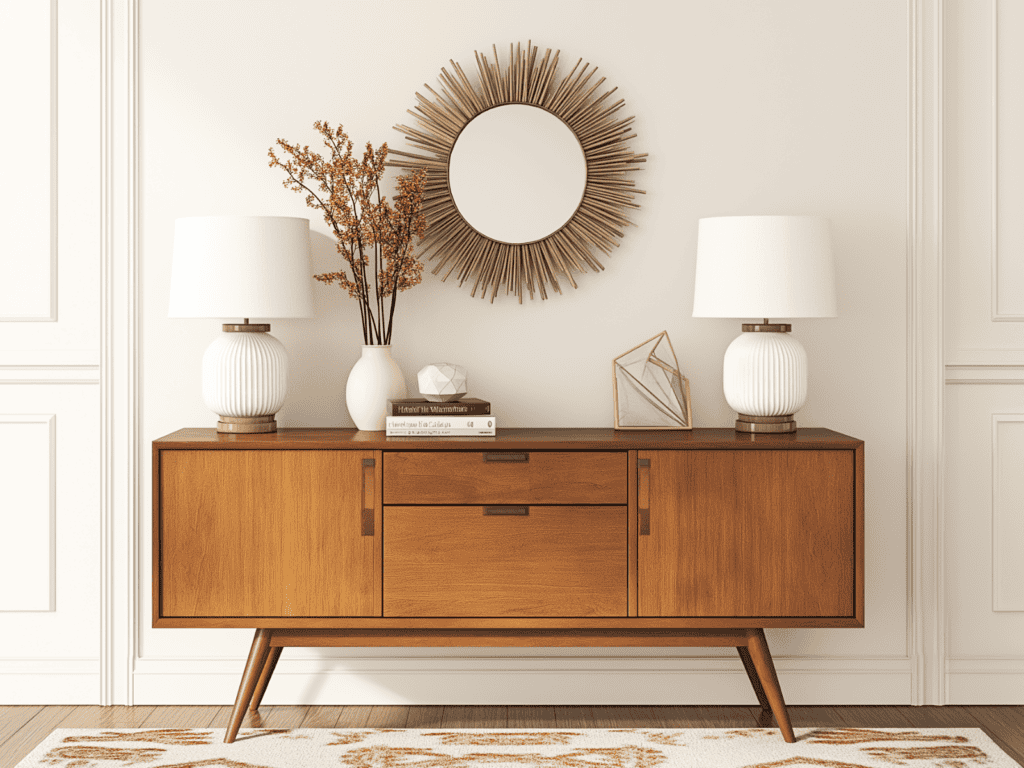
x=505, y=477
x=459, y=561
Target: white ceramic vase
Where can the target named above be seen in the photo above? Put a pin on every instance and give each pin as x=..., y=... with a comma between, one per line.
x=375, y=379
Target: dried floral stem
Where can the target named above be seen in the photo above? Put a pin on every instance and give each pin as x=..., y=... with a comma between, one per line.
x=365, y=225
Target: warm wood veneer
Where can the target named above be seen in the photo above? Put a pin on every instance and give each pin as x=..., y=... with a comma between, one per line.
x=533, y=537
x=753, y=533
x=460, y=561
x=266, y=534
x=504, y=477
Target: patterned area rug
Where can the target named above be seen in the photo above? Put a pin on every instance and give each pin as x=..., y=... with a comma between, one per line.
x=562, y=748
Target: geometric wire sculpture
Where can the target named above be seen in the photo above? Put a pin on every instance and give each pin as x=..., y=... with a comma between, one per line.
x=601, y=217
x=650, y=393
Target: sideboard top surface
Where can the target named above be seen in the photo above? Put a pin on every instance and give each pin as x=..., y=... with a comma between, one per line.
x=534, y=439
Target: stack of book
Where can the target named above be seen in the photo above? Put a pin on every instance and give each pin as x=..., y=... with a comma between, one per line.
x=415, y=417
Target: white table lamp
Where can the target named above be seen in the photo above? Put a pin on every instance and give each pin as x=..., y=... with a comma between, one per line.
x=242, y=267
x=763, y=267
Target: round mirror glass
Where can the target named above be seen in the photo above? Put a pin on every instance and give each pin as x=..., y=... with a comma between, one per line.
x=517, y=173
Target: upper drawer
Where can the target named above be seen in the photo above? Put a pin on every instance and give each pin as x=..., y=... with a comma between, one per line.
x=504, y=477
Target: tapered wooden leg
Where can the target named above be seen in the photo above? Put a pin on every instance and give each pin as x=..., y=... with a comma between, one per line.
x=761, y=659
x=268, y=670
x=755, y=681
x=253, y=668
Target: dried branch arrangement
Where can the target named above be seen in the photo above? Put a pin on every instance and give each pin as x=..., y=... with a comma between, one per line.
x=599, y=221
x=374, y=237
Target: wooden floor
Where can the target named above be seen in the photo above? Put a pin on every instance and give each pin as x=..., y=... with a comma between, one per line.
x=22, y=728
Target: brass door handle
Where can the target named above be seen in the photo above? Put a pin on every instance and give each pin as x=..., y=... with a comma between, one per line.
x=643, y=468
x=366, y=522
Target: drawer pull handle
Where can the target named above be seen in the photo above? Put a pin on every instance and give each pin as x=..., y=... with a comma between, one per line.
x=520, y=511
x=516, y=457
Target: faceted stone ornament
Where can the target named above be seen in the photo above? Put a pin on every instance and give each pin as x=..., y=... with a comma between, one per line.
x=650, y=393
x=442, y=382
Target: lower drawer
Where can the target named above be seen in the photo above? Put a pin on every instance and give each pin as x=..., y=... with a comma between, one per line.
x=484, y=561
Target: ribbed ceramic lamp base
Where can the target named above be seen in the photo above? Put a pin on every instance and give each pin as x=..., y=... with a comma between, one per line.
x=245, y=377
x=765, y=379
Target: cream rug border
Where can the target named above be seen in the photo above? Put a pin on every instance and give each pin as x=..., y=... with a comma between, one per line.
x=827, y=747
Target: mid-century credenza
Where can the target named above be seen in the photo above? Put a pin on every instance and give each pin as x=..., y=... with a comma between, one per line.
x=532, y=538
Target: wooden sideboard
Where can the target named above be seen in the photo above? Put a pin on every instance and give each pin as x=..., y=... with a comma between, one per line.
x=532, y=538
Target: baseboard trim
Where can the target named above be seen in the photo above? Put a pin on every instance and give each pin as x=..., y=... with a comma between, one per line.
x=985, y=681
x=49, y=681
x=537, y=681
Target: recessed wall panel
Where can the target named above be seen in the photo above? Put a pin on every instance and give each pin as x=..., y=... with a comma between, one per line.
x=1007, y=512
x=27, y=512
x=1008, y=266
x=28, y=136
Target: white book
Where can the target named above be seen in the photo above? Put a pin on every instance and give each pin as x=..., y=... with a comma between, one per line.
x=475, y=423
x=456, y=432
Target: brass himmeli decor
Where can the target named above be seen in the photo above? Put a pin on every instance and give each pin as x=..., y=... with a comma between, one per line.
x=650, y=392
x=489, y=262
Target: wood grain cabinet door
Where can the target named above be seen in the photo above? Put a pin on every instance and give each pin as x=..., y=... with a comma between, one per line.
x=268, y=533
x=747, y=533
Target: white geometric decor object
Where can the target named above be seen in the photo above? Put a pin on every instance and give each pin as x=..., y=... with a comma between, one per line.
x=764, y=267
x=242, y=267
x=442, y=382
x=650, y=392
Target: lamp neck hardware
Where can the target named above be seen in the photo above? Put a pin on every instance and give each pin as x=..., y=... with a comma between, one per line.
x=246, y=327
x=767, y=327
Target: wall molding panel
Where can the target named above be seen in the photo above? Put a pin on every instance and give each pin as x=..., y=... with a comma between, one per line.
x=1007, y=120
x=49, y=374
x=50, y=368
x=1007, y=512
x=984, y=371
x=28, y=476
x=985, y=374
x=28, y=261
x=984, y=319
x=120, y=436
x=925, y=344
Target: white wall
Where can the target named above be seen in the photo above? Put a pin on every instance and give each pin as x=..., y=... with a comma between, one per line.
x=743, y=107
x=788, y=106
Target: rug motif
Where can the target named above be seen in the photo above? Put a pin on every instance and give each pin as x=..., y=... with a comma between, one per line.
x=518, y=748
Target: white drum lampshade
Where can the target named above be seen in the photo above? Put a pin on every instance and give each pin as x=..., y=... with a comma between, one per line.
x=764, y=267
x=242, y=267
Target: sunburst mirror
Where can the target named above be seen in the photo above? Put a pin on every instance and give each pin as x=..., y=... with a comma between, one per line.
x=527, y=172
